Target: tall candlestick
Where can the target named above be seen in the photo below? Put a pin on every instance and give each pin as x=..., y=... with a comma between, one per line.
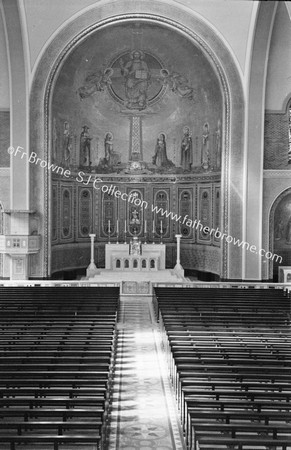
x=92, y=269
x=153, y=226
x=117, y=229
x=178, y=268
x=161, y=227
x=109, y=226
x=145, y=226
x=125, y=226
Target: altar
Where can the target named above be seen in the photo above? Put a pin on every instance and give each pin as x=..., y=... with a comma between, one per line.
x=135, y=257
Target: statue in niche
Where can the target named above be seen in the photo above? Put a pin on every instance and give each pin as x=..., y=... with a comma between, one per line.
x=218, y=144
x=67, y=145
x=205, y=146
x=108, y=147
x=186, y=149
x=137, y=80
x=85, y=147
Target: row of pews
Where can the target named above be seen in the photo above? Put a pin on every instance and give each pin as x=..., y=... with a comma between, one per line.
x=57, y=348
x=229, y=357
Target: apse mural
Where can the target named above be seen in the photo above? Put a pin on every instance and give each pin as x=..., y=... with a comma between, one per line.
x=282, y=225
x=137, y=98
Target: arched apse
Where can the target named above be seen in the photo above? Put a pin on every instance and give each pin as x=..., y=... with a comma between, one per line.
x=217, y=53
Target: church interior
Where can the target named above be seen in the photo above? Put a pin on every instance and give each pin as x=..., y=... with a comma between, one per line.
x=145, y=224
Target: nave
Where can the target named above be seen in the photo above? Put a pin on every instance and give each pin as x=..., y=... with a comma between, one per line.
x=196, y=368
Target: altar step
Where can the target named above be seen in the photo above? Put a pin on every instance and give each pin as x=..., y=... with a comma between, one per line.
x=165, y=276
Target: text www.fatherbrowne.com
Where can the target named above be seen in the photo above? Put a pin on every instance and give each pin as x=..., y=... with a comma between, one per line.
x=97, y=184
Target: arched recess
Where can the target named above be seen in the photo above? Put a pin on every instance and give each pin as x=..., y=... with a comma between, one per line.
x=217, y=52
x=280, y=232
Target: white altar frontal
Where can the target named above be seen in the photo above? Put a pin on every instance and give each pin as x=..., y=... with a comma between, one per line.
x=135, y=256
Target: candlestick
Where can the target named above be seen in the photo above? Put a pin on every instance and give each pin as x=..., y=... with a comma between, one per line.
x=117, y=229
x=161, y=227
x=153, y=226
x=145, y=226
x=125, y=231
x=109, y=226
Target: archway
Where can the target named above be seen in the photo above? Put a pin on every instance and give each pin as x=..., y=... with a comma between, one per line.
x=280, y=232
x=224, y=66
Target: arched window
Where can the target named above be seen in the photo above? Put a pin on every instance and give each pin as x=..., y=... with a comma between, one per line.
x=144, y=264
x=126, y=264
x=118, y=264
x=135, y=263
x=153, y=264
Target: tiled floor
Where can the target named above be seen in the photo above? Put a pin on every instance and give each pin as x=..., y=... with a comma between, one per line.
x=144, y=415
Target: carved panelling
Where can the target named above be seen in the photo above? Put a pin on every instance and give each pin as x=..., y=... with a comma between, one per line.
x=186, y=206
x=85, y=225
x=109, y=215
x=55, y=218
x=204, y=213
x=66, y=213
x=135, y=211
x=161, y=223
x=216, y=213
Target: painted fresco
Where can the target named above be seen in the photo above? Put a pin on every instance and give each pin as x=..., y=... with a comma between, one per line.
x=282, y=225
x=137, y=98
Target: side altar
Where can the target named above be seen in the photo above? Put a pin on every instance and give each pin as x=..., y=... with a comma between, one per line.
x=135, y=256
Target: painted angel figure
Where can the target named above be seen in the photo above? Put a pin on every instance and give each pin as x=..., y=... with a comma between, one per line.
x=177, y=83
x=96, y=82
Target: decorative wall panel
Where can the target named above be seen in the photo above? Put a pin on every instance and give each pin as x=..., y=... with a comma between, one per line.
x=85, y=215
x=4, y=138
x=161, y=223
x=55, y=215
x=216, y=213
x=66, y=213
x=72, y=215
x=109, y=215
x=135, y=211
x=276, y=141
x=186, y=208
x=204, y=213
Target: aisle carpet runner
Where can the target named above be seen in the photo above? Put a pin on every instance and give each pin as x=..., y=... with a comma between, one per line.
x=143, y=414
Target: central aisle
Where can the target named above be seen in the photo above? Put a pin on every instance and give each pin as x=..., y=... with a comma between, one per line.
x=144, y=414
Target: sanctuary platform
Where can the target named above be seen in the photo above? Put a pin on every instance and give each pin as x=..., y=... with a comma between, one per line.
x=135, y=266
